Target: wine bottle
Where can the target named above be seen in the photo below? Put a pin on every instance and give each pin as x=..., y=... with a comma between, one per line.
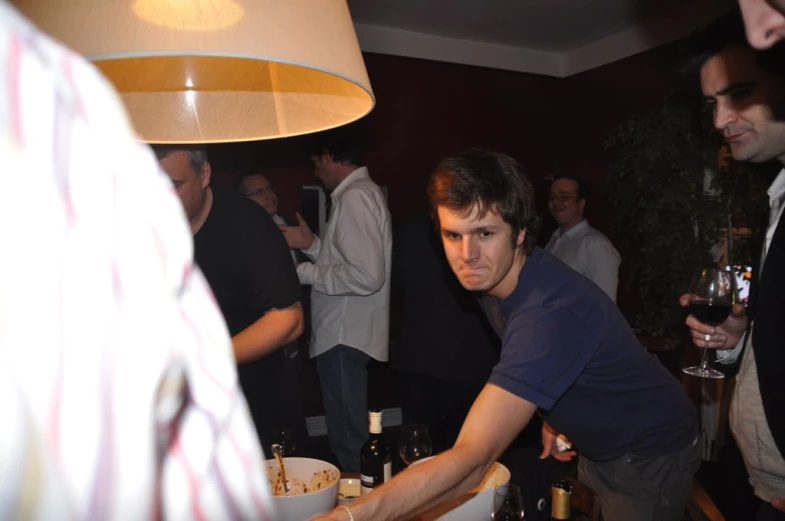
x=560, y=501
x=376, y=457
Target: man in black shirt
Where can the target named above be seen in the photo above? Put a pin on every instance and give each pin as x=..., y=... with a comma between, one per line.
x=250, y=270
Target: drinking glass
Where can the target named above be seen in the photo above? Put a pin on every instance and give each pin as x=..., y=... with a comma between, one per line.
x=712, y=295
x=507, y=503
x=414, y=443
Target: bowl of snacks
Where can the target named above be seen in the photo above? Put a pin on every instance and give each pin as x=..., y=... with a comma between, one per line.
x=313, y=488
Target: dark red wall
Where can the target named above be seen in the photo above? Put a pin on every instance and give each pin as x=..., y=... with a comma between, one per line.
x=426, y=110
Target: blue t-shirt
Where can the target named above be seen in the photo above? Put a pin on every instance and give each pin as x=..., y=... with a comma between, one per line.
x=567, y=349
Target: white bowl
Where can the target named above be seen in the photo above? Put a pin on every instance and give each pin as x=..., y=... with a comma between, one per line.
x=314, y=488
x=475, y=504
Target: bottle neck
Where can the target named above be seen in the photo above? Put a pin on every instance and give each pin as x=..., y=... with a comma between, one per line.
x=561, y=501
x=375, y=424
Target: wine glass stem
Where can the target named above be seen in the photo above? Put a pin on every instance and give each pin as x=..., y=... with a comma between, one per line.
x=704, y=358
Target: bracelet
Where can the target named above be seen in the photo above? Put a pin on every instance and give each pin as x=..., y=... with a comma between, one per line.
x=348, y=511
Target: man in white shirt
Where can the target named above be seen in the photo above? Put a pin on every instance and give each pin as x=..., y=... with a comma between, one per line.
x=746, y=91
x=577, y=244
x=350, y=296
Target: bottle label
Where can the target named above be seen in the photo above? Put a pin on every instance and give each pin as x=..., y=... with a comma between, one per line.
x=387, y=471
x=366, y=484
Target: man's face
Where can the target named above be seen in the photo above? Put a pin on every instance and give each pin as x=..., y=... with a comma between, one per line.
x=190, y=185
x=324, y=170
x=764, y=21
x=259, y=190
x=480, y=251
x=748, y=104
x=563, y=203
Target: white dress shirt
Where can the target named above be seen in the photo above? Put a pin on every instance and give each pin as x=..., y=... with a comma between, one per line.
x=588, y=252
x=281, y=221
x=350, y=272
x=765, y=464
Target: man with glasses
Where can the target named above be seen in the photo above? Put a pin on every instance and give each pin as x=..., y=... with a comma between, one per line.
x=258, y=189
x=577, y=244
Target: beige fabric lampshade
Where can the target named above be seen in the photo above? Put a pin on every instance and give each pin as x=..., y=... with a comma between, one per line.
x=206, y=71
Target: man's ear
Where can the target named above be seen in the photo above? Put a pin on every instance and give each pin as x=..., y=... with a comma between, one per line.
x=521, y=237
x=205, y=174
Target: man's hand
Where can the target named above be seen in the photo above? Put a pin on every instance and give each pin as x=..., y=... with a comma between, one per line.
x=778, y=503
x=724, y=336
x=549, y=447
x=298, y=237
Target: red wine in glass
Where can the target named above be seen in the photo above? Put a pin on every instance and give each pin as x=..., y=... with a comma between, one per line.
x=710, y=313
x=712, y=294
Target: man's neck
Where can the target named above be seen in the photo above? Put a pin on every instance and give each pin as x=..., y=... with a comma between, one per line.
x=197, y=222
x=507, y=285
x=567, y=227
x=345, y=171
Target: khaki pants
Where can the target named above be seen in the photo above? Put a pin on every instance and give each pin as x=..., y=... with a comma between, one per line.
x=640, y=488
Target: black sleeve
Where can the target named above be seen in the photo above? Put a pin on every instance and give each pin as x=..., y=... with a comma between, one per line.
x=271, y=274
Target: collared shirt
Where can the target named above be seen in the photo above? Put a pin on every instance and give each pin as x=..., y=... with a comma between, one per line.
x=765, y=464
x=281, y=221
x=350, y=272
x=588, y=252
x=118, y=388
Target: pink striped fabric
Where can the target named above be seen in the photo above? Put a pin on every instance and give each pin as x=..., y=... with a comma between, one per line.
x=118, y=389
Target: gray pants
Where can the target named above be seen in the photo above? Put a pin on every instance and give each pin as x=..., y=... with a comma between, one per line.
x=640, y=488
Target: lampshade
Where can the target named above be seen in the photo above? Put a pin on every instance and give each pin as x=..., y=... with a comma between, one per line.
x=208, y=71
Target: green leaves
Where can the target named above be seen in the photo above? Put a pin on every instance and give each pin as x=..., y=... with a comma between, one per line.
x=663, y=214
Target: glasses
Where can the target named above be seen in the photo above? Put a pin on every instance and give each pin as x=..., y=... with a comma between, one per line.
x=261, y=191
x=561, y=198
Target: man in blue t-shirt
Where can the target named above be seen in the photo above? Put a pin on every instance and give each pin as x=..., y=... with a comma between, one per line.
x=567, y=353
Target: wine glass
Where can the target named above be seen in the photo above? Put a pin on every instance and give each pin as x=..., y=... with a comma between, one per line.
x=414, y=443
x=712, y=295
x=507, y=503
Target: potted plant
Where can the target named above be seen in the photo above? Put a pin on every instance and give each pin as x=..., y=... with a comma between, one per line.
x=678, y=196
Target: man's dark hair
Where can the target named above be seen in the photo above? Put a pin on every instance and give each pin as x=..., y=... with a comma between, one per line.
x=197, y=155
x=491, y=181
x=583, y=188
x=344, y=144
x=728, y=31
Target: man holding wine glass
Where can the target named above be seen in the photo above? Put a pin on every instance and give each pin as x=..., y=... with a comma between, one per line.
x=746, y=90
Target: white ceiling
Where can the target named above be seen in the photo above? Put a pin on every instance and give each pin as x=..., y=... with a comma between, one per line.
x=551, y=37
